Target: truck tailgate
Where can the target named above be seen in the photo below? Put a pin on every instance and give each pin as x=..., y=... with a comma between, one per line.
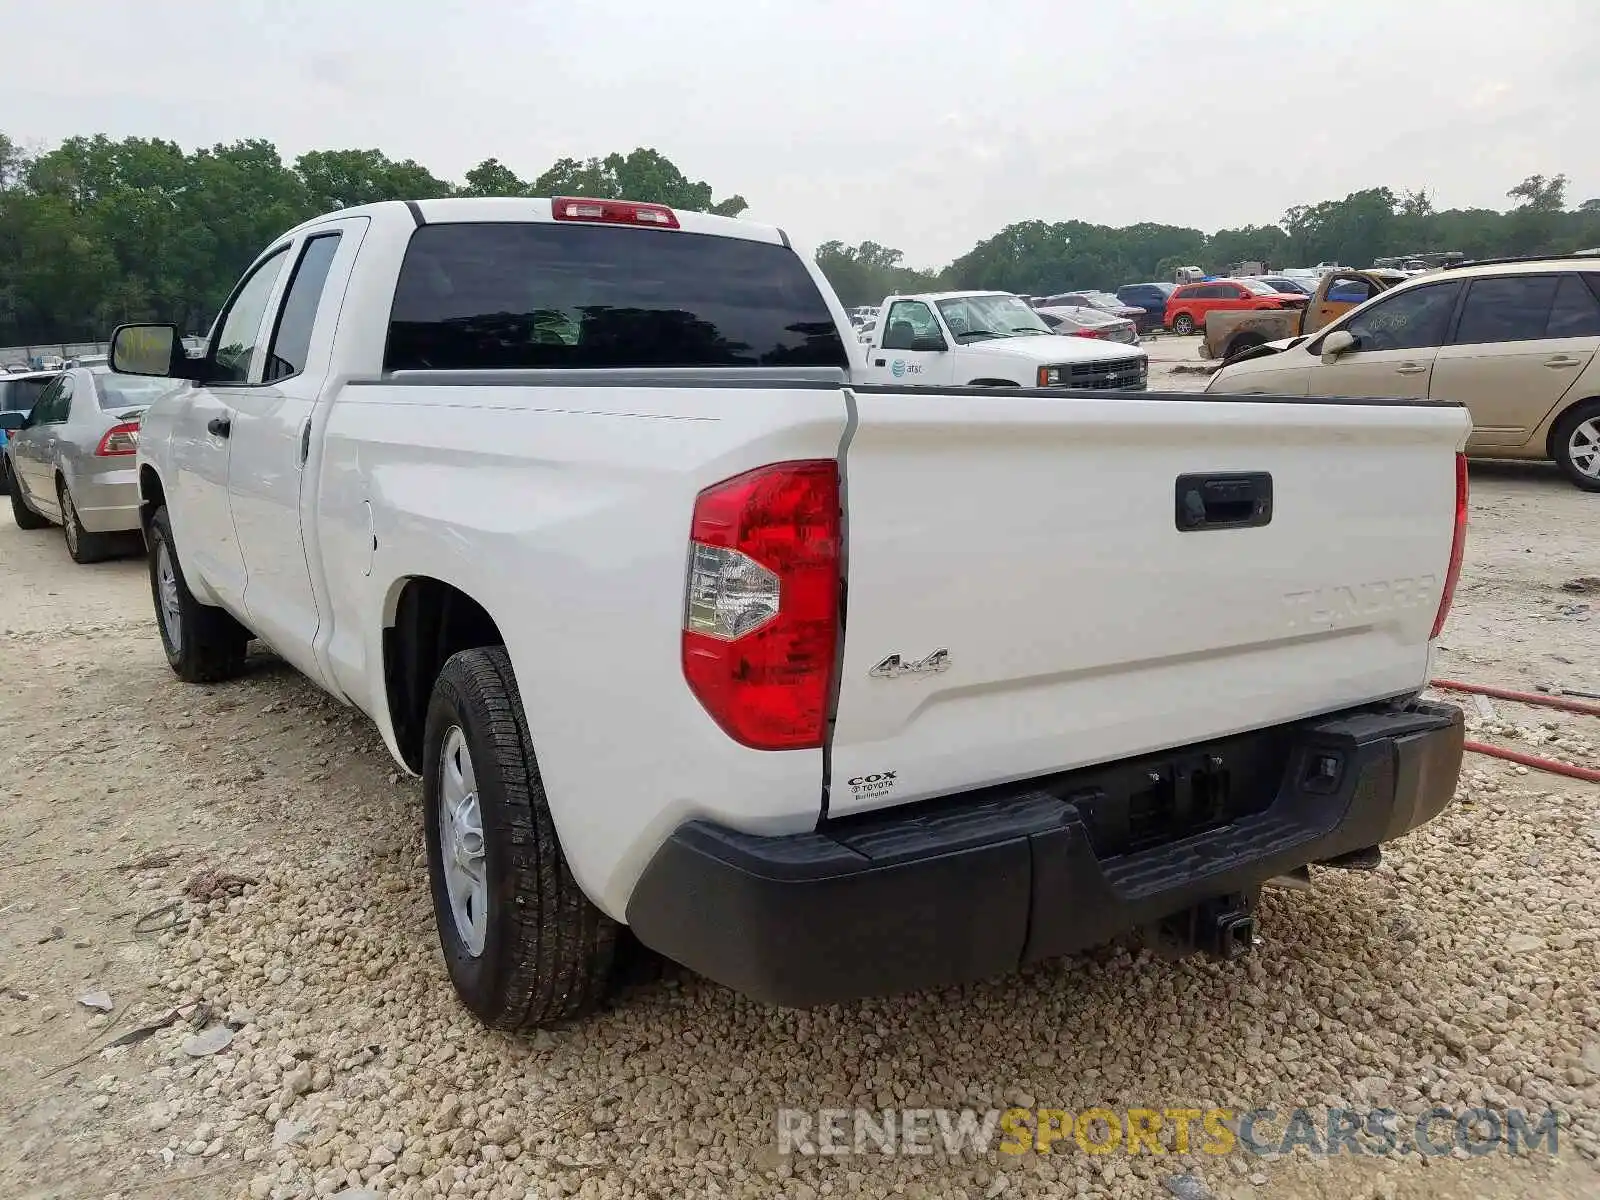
x=1022, y=600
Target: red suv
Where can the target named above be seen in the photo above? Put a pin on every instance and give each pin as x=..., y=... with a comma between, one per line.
x=1187, y=307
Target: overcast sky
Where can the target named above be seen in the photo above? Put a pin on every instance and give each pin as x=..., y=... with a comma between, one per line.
x=924, y=126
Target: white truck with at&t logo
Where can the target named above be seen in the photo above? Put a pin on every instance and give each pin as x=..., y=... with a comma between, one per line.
x=988, y=339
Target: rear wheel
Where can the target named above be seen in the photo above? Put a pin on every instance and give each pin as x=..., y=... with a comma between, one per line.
x=24, y=516
x=523, y=944
x=203, y=643
x=85, y=547
x=1576, y=445
x=1183, y=323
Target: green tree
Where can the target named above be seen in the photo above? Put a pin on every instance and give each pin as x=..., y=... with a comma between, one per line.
x=491, y=177
x=644, y=175
x=344, y=178
x=1538, y=194
x=865, y=274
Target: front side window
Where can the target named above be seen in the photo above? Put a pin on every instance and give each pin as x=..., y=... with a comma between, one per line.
x=555, y=295
x=1408, y=320
x=908, y=321
x=235, y=342
x=1508, y=308
x=1258, y=288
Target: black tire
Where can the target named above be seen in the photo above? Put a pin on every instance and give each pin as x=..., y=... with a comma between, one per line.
x=24, y=516
x=83, y=546
x=1561, y=443
x=5, y=473
x=207, y=645
x=548, y=953
x=1183, y=324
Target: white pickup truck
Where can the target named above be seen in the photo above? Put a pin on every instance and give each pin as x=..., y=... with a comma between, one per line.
x=988, y=339
x=820, y=687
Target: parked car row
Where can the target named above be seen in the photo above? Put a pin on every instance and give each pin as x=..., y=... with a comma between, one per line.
x=68, y=458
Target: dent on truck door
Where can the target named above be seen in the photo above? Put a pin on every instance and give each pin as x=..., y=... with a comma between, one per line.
x=271, y=438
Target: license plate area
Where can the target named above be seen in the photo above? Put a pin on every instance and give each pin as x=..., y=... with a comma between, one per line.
x=1151, y=802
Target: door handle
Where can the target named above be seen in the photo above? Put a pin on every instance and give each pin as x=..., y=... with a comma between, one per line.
x=219, y=426
x=1561, y=360
x=1410, y=368
x=1223, y=501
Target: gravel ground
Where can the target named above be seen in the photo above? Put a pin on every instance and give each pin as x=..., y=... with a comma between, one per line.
x=245, y=855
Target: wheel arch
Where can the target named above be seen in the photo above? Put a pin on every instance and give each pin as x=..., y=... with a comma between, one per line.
x=994, y=383
x=425, y=621
x=152, y=495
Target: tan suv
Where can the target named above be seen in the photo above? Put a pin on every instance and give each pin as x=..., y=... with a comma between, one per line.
x=1514, y=341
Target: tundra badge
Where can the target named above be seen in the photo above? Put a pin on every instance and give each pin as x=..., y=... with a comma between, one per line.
x=894, y=666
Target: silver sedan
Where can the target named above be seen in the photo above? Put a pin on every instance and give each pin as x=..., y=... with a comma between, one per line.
x=72, y=462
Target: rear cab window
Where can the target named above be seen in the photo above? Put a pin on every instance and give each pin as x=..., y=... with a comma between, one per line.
x=475, y=296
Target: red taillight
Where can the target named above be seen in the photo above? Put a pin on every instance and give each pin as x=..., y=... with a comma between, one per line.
x=613, y=212
x=119, y=439
x=761, y=604
x=1088, y=333
x=1458, y=546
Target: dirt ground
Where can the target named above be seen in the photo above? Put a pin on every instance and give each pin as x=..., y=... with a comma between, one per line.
x=246, y=854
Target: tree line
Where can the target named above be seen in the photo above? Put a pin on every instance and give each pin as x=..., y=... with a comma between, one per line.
x=97, y=231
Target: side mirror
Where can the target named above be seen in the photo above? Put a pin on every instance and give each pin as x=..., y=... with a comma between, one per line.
x=151, y=350
x=930, y=342
x=1340, y=341
x=13, y=421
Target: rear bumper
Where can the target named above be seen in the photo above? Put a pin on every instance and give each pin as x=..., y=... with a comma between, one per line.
x=107, y=501
x=970, y=886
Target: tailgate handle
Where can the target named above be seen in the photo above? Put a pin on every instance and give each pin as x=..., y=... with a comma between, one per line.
x=1236, y=500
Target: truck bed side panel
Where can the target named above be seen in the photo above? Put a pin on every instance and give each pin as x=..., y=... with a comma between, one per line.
x=564, y=511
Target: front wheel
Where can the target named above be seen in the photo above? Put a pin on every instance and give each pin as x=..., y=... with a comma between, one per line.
x=1577, y=445
x=523, y=944
x=203, y=643
x=1183, y=324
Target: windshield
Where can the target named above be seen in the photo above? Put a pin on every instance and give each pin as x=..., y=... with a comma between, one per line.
x=974, y=317
x=127, y=391
x=1259, y=288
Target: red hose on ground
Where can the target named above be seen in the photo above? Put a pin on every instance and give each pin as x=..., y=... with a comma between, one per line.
x=1554, y=766
x=1543, y=701
x=1533, y=760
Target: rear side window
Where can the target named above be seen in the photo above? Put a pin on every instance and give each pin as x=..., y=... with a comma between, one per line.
x=475, y=296
x=116, y=391
x=1513, y=308
x=1576, y=312
x=20, y=395
x=291, y=341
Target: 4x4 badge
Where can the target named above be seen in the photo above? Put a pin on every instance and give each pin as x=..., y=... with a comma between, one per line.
x=894, y=666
